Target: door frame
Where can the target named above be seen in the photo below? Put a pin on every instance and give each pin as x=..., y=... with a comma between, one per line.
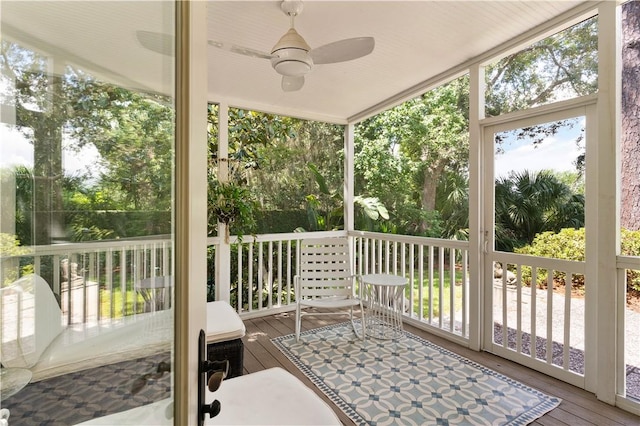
x=578, y=107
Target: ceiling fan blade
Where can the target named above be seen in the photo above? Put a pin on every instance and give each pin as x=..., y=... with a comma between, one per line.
x=343, y=50
x=291, y=84
x=240, y=49
x=157, y=42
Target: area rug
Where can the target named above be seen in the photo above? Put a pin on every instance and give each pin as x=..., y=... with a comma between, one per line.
x=77, y=397
x=409, y=381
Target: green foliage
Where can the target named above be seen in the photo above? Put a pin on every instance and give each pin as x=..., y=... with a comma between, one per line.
x=233, y=205
x=10, y=246
x=403, y=153
x=557, y=67
x=325, y=210
x=630, y=246
x=529, y=203
x=569, y=244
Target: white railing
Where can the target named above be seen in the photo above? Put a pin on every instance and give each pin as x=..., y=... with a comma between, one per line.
x=266, y=265
x=95, y=281
x=534, y=324
x=437, y=296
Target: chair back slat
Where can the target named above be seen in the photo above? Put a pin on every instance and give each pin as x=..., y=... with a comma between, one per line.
x=325, y=268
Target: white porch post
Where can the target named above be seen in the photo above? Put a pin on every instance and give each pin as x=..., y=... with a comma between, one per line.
x=349, y=153
x=223, y=251
x=476, y=237
x=602, y=224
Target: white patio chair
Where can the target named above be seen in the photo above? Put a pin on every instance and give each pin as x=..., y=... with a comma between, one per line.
x=325, y=280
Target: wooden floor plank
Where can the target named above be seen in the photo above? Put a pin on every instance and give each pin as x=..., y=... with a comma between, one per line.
x=578, y=406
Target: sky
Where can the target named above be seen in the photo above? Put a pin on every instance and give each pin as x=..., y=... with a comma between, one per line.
x=557, y=153
x=15, y=149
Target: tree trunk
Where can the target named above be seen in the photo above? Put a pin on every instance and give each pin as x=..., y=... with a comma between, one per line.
x=429, y=184
x=630, y=134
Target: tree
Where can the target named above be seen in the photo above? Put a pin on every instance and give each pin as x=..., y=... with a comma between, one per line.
x=561, y=66
x=630, y=135
x=528, y=203
x=36, y=95
x=133, y=133
x=432, y=134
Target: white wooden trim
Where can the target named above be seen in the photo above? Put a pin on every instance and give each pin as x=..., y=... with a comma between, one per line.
x=557, y=110
x=190, y=204
x=223, y=253
x=476, y=113
x=349, y=190
x=607, y=242
x=591, y=235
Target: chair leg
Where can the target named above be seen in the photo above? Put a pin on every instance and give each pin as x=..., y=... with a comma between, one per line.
x=362, y=334
x=298, y=322
x=363, y=322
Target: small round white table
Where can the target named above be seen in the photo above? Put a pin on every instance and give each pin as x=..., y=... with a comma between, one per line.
x=385, y=297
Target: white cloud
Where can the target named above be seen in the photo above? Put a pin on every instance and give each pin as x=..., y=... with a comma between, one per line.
x=15, y=150
x=552, y=154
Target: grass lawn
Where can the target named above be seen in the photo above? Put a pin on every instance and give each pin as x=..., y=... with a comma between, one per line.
x=446, y=301
x=114, y=299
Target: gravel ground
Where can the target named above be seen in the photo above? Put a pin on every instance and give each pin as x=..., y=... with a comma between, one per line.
x=576, y=333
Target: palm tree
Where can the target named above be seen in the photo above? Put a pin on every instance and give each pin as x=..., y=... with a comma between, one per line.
x=527, y=203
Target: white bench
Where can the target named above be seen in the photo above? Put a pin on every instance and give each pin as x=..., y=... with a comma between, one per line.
x=225, y=330
x=41, y=343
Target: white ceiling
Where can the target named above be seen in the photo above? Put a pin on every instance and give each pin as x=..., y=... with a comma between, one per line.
x=415, y=41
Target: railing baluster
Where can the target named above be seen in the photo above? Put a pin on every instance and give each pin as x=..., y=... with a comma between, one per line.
x=534, y=307
x=567, y=320
x=505, y=320
x=549, y=316
x=465, y=294
x=452, y=288
x=123, y=280
x=250, y=276
x=279, y=273
x=240, y=288
x=441, y=289
x=519, y=308
x=289, y=272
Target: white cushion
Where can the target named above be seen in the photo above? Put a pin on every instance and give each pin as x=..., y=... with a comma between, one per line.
x=223, y=323
x=90, y=345
x=31, y=320
x=262, y=398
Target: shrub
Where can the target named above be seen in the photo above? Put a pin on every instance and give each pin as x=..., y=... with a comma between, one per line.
x=630, y=246
x=569, y=244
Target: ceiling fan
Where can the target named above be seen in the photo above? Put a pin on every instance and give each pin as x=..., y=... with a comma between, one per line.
x=291, y=56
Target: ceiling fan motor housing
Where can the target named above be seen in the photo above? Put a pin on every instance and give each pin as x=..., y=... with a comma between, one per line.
x=291, y=55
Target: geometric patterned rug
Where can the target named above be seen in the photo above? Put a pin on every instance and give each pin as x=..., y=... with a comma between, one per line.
x=409, y=381
x=83, y=395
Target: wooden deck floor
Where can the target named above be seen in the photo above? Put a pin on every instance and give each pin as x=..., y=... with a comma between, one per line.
x=578, y=407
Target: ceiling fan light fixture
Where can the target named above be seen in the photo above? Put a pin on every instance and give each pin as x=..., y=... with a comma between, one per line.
x=291, y=55
x=292, y=62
